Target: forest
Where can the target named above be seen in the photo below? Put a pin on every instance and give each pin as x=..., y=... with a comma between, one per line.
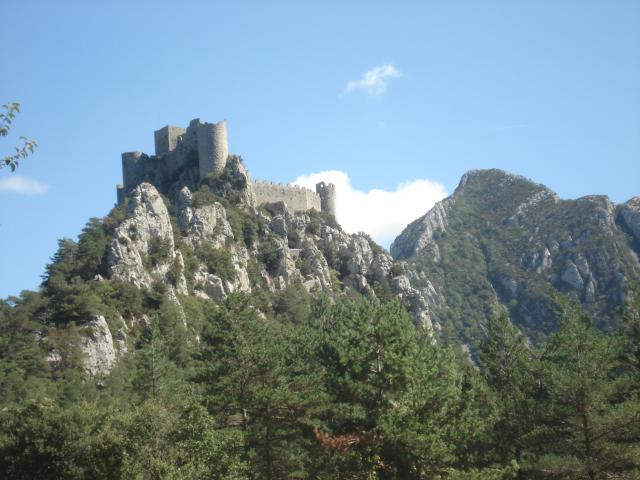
x=293, y=386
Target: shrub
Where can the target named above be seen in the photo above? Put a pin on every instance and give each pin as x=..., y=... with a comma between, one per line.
x=270, y=254
x=159, y=251
x=255, y=272
x=203, y=197
x=218, y=262
x=397, y=269
x=304, y=265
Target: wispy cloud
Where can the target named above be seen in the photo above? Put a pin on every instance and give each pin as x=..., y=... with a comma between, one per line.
x=22, y=185
x=380, y=213
x=374, y=82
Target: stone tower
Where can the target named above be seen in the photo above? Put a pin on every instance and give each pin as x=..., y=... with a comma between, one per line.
x=132, y=168
x=166, y=139
x=213, y=149
x=327, y=192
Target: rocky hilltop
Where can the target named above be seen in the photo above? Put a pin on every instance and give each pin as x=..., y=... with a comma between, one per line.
x=499, y=240
x=213, y=242
x=503, y=240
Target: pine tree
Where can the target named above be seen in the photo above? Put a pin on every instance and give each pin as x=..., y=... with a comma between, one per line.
x=257, y=378
x=508, y=364
x=152, y=365
x=398, y=399
x=585, y=426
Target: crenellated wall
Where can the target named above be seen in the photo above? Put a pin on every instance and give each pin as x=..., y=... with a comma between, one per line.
x=201, y=149
x=176, y=148
x=297, y=198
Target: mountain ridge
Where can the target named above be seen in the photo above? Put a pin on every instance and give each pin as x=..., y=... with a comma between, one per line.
x=513, y=236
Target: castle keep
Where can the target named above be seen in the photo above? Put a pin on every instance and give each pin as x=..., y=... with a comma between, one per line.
x=200, y=149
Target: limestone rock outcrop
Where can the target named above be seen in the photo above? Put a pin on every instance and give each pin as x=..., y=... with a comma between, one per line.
x=96, y=343
x=143, y=245
x=630, y=213
x=290, y=247
x=419, y=234
x=503, y=241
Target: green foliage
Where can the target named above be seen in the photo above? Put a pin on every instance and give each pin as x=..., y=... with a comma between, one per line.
x=159, y=251
x=255, y=377
x=393, y=391
x=254, y=269
x=190, y=261
x=397, y=269
x=270, y=253
x=27, y=147
x=246, y=227
x=218, y=261
x=293, y=303
x=508, y=365
x=41, y=440
x=317, y=219
x=586, y=430
x=304, y=265
x=203, y=197
x=292, y=385
x=499, y=229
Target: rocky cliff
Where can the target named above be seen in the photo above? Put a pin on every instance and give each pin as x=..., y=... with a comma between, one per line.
x=499, y=241
x=502, y=239
x=213, y=242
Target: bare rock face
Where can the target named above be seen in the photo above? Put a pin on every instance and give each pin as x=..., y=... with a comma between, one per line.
x=143, y=243
x=420, y=300
x=319, y=256
x=571, y=276
x=503, y=241
x=630, y=213
x=419, y=234
x=97, y=347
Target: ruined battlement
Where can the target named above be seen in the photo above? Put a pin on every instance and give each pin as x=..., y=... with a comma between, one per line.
x=296, y=197
x=201, y=146
x=201, y=149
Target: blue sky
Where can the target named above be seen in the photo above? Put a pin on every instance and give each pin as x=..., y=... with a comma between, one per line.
x=546, y=89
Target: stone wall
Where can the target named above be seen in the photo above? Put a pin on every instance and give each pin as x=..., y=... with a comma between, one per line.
x=297, y=198
x=212, y=147
x=166, y=138
x=327, y=193
x=176, y=148
x=192, y=153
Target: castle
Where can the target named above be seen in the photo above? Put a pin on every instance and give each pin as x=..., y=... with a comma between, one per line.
x=201, y=149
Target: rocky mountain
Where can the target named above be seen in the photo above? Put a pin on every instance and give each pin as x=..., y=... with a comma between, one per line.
x=499, y=240
x=503, y=240
x=210, y=243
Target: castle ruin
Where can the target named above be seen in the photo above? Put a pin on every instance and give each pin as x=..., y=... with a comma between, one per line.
x=201, y=149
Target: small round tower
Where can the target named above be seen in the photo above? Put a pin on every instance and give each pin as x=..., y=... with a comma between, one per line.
x=213, y=150
x=327, y=192
x=132, y=168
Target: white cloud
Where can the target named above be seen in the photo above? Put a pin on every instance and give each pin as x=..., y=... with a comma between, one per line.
x=374, y=82
x=23, y=185
x=382, y=214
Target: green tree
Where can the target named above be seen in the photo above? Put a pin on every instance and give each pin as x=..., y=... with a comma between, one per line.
x=585, y=429
x=397, y=398
x=25, y=149
x=152, y=365
x=42, y=440
x=508, y=364
x=258, y=377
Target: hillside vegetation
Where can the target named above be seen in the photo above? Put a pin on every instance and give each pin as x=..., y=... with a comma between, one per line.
x=199, y=337
x=503, y=241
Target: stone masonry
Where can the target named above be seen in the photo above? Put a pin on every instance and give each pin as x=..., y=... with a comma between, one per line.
x=201, y=149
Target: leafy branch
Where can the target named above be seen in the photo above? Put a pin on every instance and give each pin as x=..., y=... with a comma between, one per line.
x=27, y=147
